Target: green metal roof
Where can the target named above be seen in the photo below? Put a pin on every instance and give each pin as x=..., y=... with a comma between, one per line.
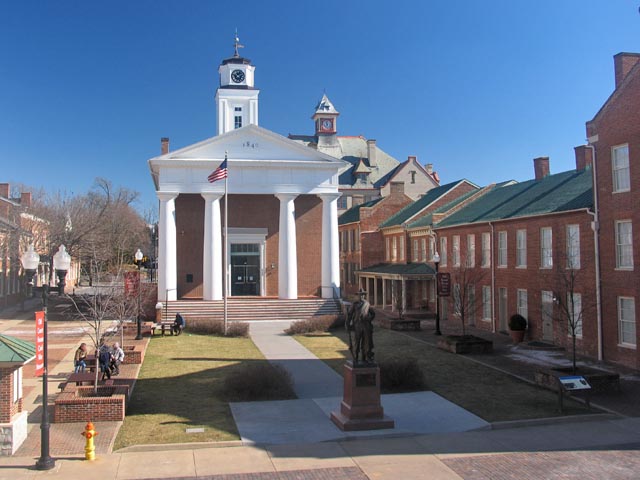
x=561, y=192
x=427, y=220
x=353, y=214
x=14, y=350
x=412, y=209
x=400, y=269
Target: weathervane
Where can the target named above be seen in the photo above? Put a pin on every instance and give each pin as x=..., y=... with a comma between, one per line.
x=237, y=45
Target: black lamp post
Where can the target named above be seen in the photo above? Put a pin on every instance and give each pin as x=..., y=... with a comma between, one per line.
x=436, y=262
x=61, y=264
x=139, y=256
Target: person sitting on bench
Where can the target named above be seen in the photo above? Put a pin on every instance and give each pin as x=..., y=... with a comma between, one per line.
x=178, y=325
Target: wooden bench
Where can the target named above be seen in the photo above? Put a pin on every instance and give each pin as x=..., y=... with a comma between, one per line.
x=163, y=327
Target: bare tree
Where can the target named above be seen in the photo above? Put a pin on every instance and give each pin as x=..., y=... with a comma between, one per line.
x=465, y=279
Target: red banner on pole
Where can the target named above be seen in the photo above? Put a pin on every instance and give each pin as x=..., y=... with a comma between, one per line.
x=39, y=343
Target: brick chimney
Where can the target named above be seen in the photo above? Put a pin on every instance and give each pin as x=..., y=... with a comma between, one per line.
x=25, y=199
x=4, y=190
x=164, y=145
x=371, y=153
x=396, y=188
x=584, y=157
x=541, y=167
x=623, y=63
x=429, y=168
x=412, y=158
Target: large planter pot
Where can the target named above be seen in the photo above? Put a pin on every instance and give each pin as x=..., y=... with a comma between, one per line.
x=517, y=335
x=465, y=344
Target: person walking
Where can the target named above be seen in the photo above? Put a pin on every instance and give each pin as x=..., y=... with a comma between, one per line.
x=104, y=360
x=117, y=357
x=80, y=358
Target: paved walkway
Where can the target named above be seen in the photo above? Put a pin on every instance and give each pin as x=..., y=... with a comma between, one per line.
x=581, y=448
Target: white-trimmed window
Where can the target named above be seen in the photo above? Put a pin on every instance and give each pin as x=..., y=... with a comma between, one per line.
x=521, y=248
x=546, y=251
x=387, y=243
x=414, y=252
x=620, y=166
x=394, y=249
x=471, y=250
x=432, y=249
x=17, y=385
x=457, y=299
x=423, y=250
x=402, y=249
x=627, y=321
x=486, y=303
x=575, y=313
x=502, y=249
x=357, y=239
x=573, y=247
x=624, y=244
x=443, y=251
x=455, y=250
x=523, y=303
x=486, y=249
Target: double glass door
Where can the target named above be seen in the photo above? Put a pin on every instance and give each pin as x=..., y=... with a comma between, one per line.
x=245, y=269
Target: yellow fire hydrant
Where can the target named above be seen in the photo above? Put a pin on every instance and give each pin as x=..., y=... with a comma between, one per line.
x=90, y=448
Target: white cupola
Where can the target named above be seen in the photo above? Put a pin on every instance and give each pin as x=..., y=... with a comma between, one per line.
x=236, y=97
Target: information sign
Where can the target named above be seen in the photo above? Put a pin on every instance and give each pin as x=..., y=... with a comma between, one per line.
x=444, y=284
x=574, y=382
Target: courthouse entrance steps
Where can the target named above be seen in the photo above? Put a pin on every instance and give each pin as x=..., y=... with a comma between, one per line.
x=243, y=309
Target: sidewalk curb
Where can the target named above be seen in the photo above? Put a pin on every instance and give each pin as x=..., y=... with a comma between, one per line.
x=595, y=417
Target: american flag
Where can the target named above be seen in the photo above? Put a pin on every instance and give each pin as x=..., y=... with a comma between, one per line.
x=219, y=173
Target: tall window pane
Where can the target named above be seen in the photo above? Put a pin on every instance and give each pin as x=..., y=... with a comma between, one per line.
x=573, y=246
x=620, y=165
x=624, y=245
x=502, y=249
x=627, y=320
x=486, y=302
x=471, y=250
x=486, y=249
x=521, y=248
x=546, y=252
x=443, y=251
x=455, y=252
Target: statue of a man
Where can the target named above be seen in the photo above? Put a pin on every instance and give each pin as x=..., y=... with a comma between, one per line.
x=359, y=320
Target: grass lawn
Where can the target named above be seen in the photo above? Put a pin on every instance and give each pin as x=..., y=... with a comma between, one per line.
x=180, y=386
x=491, y=395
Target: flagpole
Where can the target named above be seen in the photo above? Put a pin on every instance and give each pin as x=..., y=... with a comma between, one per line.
x=226, y=244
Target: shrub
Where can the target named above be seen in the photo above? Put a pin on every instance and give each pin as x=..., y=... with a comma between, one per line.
x=318, y=324
x=216, y=327
x=517, y=323
x=257, y=382
x=401, y=375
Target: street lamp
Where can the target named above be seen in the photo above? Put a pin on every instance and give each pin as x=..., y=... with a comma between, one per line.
x=30, y=261
x=436, y=262
x=139, y=256
x=61, y=264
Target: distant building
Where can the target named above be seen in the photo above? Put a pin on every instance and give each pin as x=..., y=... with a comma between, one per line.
x=371, y=169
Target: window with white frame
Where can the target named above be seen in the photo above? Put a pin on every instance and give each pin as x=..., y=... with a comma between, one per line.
x=414, y=251
x=573, y=247
x=357, y=238
x=523, y=303
x=486, y=249
x=471, y=313
x=457, y=299
x=624, y=244
x=455, y=250
x=620, y=167
x=342, y=203
x=443, y=251
x=387, y=249
x=521, y=248
x=502, y=249
x=486, y=302
x=546, y=251
x=471, y=250
x=17, y=385
x=574, y=309
x=627, y=321
x=423, y=250
x=432, y=249
x=402, y=249
x=394, y=249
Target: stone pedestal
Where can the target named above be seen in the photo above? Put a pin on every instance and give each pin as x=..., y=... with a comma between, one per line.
x=360, y=408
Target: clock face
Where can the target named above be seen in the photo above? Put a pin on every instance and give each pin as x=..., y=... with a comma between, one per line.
x=327, y=124
x=237, y=76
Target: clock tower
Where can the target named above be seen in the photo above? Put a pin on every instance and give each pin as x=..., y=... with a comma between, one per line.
x=325, y=118
x=236, y=97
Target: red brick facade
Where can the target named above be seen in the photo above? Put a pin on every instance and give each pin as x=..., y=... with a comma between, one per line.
x=8, y=408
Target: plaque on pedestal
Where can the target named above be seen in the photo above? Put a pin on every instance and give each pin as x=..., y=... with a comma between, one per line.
x=360, y=408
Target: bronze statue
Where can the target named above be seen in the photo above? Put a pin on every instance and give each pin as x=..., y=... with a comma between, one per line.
x=359, y=320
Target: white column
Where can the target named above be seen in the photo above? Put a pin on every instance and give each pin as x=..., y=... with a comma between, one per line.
x=212, y=248
x=167, y=264
x=287, y=252
x=330, y=244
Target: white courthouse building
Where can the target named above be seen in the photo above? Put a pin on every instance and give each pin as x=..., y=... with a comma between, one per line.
x=282, y=207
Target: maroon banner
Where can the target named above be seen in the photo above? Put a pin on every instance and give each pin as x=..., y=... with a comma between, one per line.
x=444, y=284
x=131, y=282
x=39, y=343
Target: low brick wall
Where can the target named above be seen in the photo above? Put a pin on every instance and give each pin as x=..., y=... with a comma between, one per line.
x=75, y=404
x=133, y=354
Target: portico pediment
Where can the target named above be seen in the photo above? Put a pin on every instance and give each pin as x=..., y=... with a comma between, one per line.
x=263, y=160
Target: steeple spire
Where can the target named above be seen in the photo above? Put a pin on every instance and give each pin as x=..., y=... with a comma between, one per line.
x=237, y=45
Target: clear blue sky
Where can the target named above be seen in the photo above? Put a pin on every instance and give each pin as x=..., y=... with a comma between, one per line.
x=478, y=88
